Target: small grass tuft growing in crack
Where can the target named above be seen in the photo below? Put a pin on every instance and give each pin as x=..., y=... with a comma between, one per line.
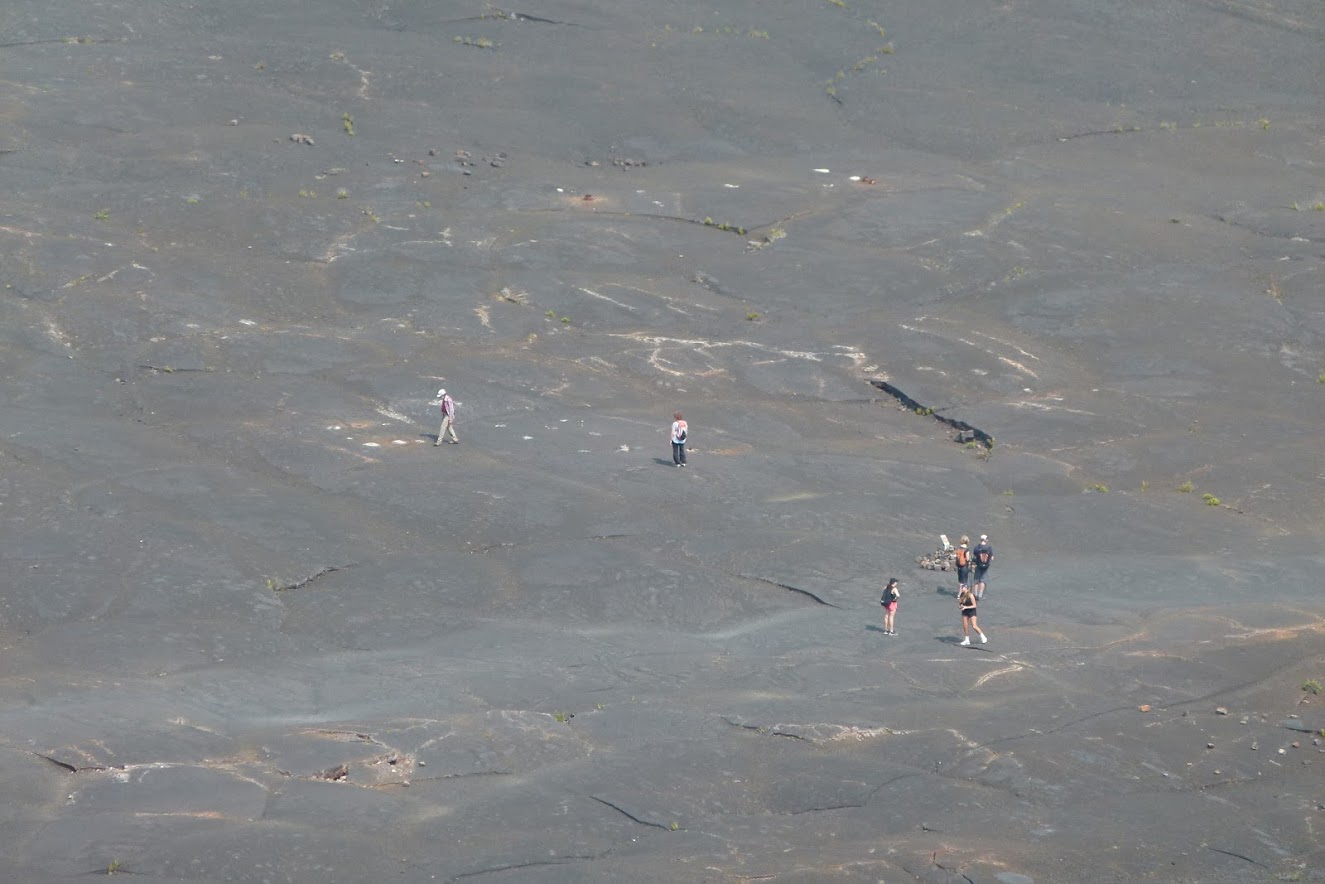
x=476, y=42
x=1311, y=686
x=1098, y=488
x=1186, y=487
x=1210, y=499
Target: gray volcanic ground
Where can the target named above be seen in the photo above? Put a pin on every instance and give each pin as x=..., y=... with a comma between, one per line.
x=1050, y=271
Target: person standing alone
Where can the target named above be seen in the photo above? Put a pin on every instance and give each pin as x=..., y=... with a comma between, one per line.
x=891, y=593
x=680, y=430
x=448, y=419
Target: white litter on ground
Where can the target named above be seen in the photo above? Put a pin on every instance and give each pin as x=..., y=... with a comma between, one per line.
x=371, y=445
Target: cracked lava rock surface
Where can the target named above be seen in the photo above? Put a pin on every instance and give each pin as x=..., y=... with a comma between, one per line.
x=1049, y=272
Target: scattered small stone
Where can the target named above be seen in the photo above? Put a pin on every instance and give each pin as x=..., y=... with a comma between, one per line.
x=1209, y=745
x=1254, y=746
x=301, y=138
x=423, y=764
x=588, y=198
x=495, y=163
x=1283, y=751
x=234, y=122
x=425, y=174
x=1144, y=707
x=1218, y=772
x=432, y=151
x=1221, y=710
x=628, y=163
x=591, y=162
x=1296, y=744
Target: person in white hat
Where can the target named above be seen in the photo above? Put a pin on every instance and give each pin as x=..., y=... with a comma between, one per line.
x=448, y=419
x=984, y=557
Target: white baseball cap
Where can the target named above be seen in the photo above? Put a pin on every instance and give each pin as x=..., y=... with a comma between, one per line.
x=441, y=393
x=982, y=536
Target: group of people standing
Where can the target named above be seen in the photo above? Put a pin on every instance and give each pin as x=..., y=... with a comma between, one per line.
x=972, y=565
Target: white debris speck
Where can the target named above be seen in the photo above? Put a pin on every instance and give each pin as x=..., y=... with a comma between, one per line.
x=823, y=171
x=854, y=178
x=559, y=190
x=399, y=442
x=499, y=426
x=371, y=445
x=526, y=438
x=624, y=448
x=564, y=419
x=247, y=322
x=732, y=186
x=335, y=427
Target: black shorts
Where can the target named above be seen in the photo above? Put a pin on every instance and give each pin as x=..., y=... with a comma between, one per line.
x=980, y=574
x=963, y=574
x=968, y=612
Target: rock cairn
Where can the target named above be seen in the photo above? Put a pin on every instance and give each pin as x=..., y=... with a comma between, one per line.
x=938, y=560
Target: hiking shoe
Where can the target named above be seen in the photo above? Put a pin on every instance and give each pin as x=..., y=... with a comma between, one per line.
x=983, y=638
x=966, y=640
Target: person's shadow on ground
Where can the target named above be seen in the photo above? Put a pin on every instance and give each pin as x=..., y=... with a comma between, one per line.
x=662, y=460
x=943, y=590
x=433, y=437
x=872, y=628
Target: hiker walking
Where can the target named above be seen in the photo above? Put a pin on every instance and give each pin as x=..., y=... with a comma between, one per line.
x=963, y=556
x=448, y=419
x=891, y=593
x=680, y=429
x=966, y=602
x=984, y=557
